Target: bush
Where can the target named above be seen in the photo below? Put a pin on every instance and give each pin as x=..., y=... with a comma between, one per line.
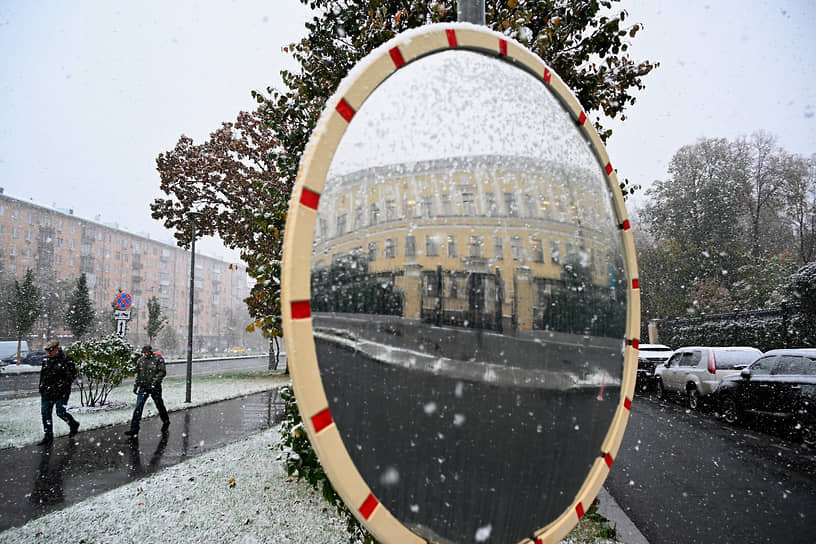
x=102, y=364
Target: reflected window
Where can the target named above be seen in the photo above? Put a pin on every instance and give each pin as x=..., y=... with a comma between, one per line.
x=410, y=209
x=537, y=251
x=451, y=245
x=475, y=243
x=427, y=206
x=447, y=208
x=555, y=252
x=468, y=204
x=530, y=208
x=515, y=248
x=341, y=224
x=491, y=205
x=510, y=204
x=390, y=248
x=431, y=246
x=410, y=246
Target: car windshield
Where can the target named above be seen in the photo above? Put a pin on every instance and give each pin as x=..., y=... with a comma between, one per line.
x=733, y=359
x=792, y=365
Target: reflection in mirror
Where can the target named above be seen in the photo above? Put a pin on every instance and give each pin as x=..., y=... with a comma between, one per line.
x=468, y=299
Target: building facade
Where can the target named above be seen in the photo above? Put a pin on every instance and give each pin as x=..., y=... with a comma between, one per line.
x=477, y=241
x=59, y=246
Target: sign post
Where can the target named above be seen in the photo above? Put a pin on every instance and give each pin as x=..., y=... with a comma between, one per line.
x=122, y=313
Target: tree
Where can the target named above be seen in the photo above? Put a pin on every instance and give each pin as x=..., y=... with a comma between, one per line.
x=25, y=307
x=79, y=316
x=155, y=320
x=241, y=178
x=102, y=364
x=799, y=192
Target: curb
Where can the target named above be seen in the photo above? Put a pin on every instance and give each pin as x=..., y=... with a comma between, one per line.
x=627, y=532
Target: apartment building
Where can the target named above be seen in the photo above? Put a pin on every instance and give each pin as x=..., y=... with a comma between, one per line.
x=57, y=246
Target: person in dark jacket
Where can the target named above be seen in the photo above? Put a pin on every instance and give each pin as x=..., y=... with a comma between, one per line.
x=56, y=376
x=149, y=376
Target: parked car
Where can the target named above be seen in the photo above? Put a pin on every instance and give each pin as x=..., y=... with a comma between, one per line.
x=779, y=386
x=650, y=356
x=695, y=372
x=29, y=358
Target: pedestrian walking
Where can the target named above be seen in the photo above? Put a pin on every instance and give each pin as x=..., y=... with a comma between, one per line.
x=151, y=372
x=56, y=376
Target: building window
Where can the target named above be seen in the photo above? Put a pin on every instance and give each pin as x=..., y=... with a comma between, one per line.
x=341, y=224
x=324, y=229
x=515, y=248
x=374, y=214
x=427, y=206
x=431, y=246
x=491, y=205
x=498, y=248
x=453, y=292
x=447, y=208
x=390, y=248
x=358, y=218
x=530, y=208
x=410, y=209
x=468, y=205
x=537, y=251
x=28, y=236
x=372, y=251
x=475, y=243
x=510, y=204
x=15, y=232
x=390, y=210
x=451, y=245
x=555, y=252
x=13, y=251
x=410, y=246
x=58, y=259
x=544, y=205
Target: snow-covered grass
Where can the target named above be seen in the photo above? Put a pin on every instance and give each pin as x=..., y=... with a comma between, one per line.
x=238, y=493
x=20, y=421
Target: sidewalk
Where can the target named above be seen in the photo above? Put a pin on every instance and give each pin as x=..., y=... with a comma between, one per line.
x=36, y=480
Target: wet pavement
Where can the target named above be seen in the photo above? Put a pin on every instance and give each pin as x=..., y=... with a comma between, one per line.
x=35, y=480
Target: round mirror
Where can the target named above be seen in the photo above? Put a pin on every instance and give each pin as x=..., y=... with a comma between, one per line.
x=460, y=294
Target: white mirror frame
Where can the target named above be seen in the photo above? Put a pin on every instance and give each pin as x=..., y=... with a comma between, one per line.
x=297, y=257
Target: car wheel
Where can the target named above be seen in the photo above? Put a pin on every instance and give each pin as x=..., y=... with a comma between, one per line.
x=729, y=411
x=694, y=398
x=661, y=391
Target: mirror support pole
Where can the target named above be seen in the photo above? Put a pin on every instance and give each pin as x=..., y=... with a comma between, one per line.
x=471, y=11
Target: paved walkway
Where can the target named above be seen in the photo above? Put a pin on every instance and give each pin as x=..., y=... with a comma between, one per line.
x=35, y=480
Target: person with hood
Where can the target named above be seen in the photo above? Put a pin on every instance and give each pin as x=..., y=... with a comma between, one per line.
x=151, y=372
x=56, y=376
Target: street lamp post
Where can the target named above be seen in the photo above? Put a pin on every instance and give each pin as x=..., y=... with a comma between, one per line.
x=188, y=394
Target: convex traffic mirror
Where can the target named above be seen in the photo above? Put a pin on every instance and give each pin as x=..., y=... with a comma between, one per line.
x=460, y=294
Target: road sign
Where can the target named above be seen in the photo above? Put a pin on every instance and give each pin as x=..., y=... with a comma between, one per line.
x=121, y=314
x=121, y=327
x=123, y=301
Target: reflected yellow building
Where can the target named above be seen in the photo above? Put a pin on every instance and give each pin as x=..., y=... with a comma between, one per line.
x=474, y=241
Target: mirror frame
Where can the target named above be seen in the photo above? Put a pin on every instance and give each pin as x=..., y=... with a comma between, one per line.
x=297, y=256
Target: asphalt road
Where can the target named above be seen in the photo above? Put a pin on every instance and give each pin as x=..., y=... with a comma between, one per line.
x=682, y=476
x=13, y=385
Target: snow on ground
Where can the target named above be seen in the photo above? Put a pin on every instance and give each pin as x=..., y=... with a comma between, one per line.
x=239, y=494
x=21, y=424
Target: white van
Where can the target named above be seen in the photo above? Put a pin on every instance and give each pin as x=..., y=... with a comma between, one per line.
x=8, y=348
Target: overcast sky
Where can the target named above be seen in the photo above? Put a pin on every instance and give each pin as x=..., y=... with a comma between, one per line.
x=92, y=92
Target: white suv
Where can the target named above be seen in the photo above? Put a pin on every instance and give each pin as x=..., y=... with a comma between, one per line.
x=697, y=371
